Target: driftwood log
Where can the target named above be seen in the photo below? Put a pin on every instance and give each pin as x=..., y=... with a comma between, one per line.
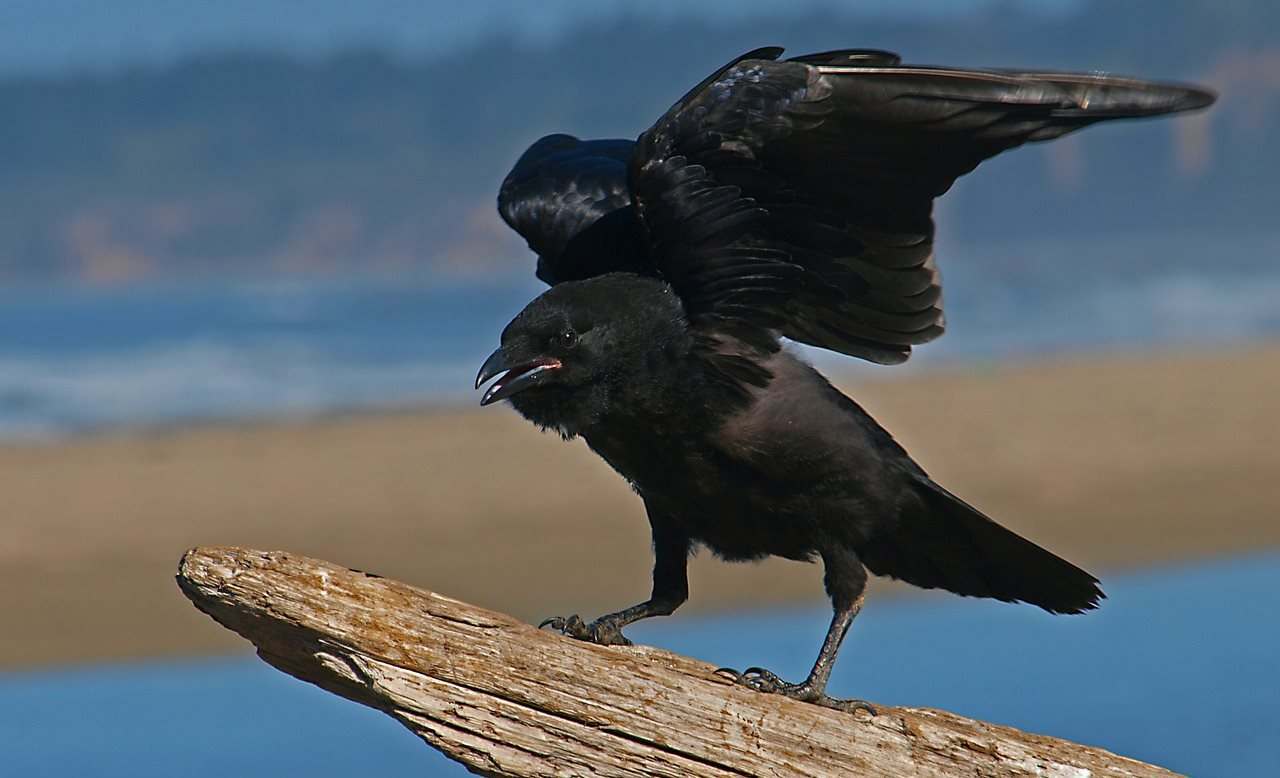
x=506, y=699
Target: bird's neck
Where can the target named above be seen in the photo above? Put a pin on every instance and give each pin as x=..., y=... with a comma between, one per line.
x=651, y=425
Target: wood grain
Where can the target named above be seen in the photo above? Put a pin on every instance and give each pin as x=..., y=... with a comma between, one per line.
x=506, y=699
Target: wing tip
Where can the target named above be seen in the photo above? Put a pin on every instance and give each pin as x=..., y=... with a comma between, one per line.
x=1154, y=98
x=1102, y=95
x=1195, y=98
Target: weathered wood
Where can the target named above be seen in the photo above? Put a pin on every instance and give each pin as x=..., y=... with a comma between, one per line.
x=506, y=699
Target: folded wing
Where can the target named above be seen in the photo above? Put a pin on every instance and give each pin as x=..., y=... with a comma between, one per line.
x=557, y=196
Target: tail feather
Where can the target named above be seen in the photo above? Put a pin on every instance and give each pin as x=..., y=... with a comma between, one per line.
x=949, y=544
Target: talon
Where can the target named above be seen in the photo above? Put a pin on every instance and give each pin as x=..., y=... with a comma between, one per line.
x=766, y=682
x=756, y=678
x=847, y=706
x=601, y=631
x=606, y=633
x=572, y=626
x=762, y=680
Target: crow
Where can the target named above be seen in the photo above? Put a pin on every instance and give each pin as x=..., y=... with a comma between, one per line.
x=778, y=199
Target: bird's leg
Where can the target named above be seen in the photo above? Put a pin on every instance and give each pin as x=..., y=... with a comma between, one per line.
x=846, y=582
x=670, y=590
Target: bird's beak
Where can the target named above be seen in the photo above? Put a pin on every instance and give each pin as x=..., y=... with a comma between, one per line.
x=511, y=380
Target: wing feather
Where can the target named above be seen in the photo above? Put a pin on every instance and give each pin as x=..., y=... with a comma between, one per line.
x=568, y=199
x=796, y=196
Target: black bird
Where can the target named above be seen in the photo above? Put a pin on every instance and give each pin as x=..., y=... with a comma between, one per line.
x=777, y=199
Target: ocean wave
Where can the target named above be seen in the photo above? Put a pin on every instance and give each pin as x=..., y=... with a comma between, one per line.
x=72, y=363
x=45, y=397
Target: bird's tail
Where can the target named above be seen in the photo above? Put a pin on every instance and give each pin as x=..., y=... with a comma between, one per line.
x=943, y=542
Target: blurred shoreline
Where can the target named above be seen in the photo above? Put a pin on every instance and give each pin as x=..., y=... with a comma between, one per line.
x=76, y=361
x=1116, y=462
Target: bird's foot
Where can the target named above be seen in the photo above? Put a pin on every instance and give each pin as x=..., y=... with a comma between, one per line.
x=603, y=631
x=762, y=680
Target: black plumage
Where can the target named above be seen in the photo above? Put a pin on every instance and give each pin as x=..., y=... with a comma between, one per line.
x=777, y=199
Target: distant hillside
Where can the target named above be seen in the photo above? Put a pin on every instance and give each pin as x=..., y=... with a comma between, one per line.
x=248, y=163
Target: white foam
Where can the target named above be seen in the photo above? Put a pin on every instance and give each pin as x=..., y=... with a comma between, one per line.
x=48, y=396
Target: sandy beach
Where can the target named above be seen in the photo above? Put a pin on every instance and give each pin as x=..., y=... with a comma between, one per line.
x=1115, y=462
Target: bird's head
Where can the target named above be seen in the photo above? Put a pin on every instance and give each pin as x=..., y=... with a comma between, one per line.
x=584, y=348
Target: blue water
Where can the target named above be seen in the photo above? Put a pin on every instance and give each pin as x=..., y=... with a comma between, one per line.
x=78, y=360
x=1179, y=667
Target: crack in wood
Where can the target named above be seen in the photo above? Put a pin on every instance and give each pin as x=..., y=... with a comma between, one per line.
x=505, y=699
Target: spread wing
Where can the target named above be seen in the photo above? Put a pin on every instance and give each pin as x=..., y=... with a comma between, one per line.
x=795, y=197
x=555, y=195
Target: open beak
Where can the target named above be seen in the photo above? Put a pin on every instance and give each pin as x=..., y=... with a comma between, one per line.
x=511, y=379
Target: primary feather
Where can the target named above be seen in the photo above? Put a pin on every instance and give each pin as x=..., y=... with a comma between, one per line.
x=795, y=197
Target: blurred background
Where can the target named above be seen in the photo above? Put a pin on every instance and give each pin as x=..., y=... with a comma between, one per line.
x=250, y=262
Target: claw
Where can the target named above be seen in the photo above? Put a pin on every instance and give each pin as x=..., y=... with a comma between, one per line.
x=762, y=680
x=848, y=706
x=602, y=631
x=573, y=626
x=766, y=682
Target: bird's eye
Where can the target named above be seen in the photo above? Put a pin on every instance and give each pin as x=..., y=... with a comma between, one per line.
x=566, y=338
